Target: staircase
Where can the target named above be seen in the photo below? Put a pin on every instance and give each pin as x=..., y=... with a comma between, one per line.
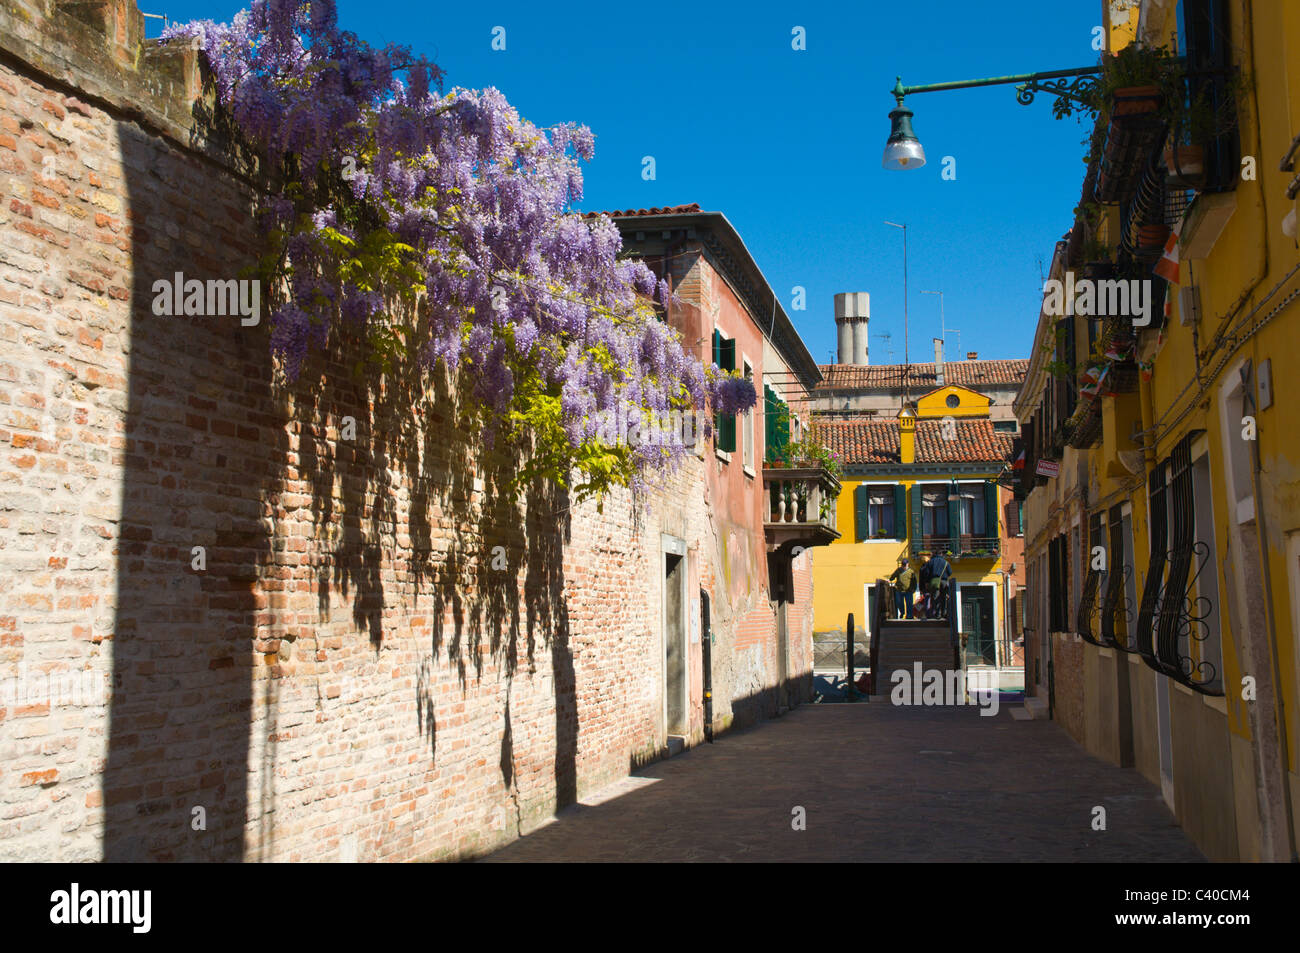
x=904, y=642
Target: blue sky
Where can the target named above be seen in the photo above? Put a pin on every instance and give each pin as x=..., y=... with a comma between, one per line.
x=787, y=143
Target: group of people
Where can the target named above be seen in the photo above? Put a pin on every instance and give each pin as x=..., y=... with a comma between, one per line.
x=932, y=580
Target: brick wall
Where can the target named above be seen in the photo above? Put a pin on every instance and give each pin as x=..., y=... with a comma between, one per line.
x=350, y=674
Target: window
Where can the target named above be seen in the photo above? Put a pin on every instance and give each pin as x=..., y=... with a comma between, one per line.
x=776, y=425
x=1058, y=582
x=1179, y=628
x=972, y=511
x=724, y=425
x=1092, y=581
x=934, y=509
x=1207, y=650
x=1006, y=426
x=1206, y=42
x=1014, y=515
x=1075, y=582
x=880, y=511
x=953, y=400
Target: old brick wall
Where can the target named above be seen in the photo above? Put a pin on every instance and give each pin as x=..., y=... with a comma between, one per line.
x=350, y=674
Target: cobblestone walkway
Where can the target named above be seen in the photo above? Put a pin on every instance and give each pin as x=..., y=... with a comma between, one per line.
x=878, y=783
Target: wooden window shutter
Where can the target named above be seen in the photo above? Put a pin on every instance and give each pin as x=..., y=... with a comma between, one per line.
x=900, y=511
x=918, y=523
x=991, y=509
x=954, y=520
x=860, y=512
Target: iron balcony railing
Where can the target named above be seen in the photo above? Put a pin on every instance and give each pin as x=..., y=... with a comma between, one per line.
x=960, y=547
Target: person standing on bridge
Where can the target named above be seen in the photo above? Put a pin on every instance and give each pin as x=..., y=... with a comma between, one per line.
x=938, y=572
x=904, y=581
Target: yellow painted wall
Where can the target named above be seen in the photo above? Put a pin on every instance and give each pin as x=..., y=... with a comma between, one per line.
x=1247, y=277
x=1251, y=257
x=841, y=569
x=969, y=403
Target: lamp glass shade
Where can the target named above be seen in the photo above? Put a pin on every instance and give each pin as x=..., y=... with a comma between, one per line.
x=902, y=150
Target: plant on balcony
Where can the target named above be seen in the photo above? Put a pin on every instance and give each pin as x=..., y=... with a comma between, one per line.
x=810, y=450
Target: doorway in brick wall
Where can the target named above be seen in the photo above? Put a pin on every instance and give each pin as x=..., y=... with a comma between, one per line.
x=674, y=629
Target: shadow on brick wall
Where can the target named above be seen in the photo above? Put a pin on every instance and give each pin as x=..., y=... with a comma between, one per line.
x=403, y=522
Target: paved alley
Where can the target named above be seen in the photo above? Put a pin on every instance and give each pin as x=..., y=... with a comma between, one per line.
x=877, y=783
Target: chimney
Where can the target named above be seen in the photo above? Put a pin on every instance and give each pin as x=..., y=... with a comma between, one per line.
x=938, y=361
x=972, y=355
x=852, y=312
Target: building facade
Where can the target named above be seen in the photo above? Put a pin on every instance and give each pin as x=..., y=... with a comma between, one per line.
x=932, y=482
x=1161, y=486
x=878, y=390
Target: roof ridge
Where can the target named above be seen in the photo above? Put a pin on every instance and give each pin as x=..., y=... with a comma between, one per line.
x=689, y=209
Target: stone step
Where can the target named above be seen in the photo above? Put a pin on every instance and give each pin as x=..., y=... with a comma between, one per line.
x=898, y=651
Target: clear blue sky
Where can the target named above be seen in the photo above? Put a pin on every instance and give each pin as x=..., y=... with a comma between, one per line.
x=787, y=144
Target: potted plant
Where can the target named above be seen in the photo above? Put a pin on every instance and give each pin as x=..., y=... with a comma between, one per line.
x=1151, y=239
x=1137, y=81
x=1097, y=260
x=1185, y=164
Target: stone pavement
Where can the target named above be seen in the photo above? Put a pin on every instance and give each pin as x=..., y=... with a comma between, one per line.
x=878, y=783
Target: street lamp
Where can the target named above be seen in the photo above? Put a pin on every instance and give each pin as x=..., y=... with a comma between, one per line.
x=903, y=150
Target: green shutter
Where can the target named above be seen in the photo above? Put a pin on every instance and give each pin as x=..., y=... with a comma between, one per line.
x=1020, y=516
x=860, y=512
x=954, y=518
x=991, y=509
x=769, y=422
x=727, y=353
x=900, y=511
x=917, y=521
x=717, y=347
x=782, y=427
x=727, y=432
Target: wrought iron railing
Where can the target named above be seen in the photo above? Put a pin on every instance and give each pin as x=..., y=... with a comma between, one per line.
x=1115, y=606
x=960, y=547
x=1083, y=623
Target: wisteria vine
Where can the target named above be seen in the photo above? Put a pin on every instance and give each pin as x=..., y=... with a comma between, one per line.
x=441, y=226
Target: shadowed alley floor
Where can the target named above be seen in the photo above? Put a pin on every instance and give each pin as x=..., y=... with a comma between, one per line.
x=878, y=783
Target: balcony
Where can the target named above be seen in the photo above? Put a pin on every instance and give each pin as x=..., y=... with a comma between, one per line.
x=961, y=547
x=801, y=507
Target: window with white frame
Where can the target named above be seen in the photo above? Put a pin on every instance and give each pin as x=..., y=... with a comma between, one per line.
x=934, y=509
x=880, y=511
x=971, y=508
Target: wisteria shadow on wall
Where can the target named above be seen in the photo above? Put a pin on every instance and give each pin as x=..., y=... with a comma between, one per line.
x=408, y=524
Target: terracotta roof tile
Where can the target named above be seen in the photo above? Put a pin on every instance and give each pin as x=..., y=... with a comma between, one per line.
x=971, y=374
x=877, y=441
x=654, y=210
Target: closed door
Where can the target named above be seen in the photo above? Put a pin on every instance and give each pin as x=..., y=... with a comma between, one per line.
x=977, y=622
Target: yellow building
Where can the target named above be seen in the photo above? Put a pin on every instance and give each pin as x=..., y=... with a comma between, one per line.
x=1163, y=532
x=915, y=484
